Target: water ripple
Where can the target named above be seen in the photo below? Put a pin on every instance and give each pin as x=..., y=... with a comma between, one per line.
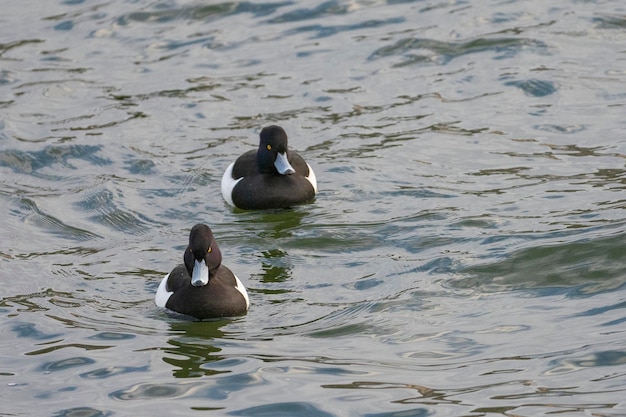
x=424, y=50
x=33, y=215
x=64, y=364
x=35, y=162
x=580, y=268
x=82, y=412
x=151, y=391
x=201, y=12
x=322, y=31
x=534, y=87
x=286, y=409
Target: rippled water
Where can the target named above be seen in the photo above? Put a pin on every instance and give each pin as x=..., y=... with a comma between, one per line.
x=464, y=257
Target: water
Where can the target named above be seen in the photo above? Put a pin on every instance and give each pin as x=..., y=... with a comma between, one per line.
x=464, y=257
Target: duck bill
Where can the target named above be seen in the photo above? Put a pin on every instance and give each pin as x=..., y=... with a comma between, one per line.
x=282, y=164
x=200, y=274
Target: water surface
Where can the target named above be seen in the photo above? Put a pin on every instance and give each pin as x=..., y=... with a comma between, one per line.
x=464, y=257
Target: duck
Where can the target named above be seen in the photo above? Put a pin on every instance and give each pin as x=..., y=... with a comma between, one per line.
x=201, y=286
x=269, y=177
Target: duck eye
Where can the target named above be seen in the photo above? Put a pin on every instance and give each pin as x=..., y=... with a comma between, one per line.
x=210, y=249
x=269, y=147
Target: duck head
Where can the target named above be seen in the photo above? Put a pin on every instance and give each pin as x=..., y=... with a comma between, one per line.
x=202, y=256
x=273, y=153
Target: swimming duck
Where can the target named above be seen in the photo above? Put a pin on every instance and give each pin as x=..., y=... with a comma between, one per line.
x=202, y=287
x=270, y=177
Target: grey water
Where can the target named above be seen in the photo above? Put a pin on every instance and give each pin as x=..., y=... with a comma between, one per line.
x=465, y=255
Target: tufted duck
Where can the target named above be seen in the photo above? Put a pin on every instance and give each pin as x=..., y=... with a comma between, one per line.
x=270, y=177
x=202, y=287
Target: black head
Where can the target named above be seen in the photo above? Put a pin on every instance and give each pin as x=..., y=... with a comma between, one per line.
x=273, y=154
x=202, y=256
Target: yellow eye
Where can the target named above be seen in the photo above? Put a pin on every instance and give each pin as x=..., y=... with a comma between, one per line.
x=269, y=147
x=210, y=249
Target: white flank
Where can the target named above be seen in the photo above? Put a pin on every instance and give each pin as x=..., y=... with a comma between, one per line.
x=162, y=294
x=312, y=178
x=239, y=286
x=228, y=183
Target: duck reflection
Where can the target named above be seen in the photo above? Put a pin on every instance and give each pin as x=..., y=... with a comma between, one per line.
x=274, y=267
x=274, y=224
x=191, y=352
